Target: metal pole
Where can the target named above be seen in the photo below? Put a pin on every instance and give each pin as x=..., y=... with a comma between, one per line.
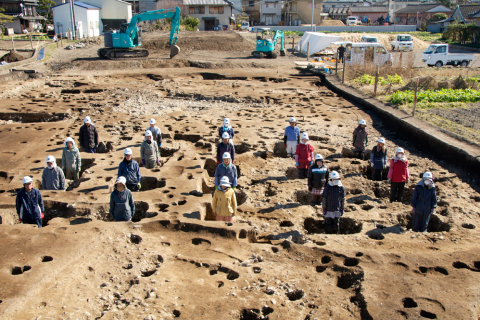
x=72, y=19
x=57, y=41
x=308, y=51
x=293, y=45
x=415, y=97
x=376, y=80
x=13, y=45
x=313, y=9
x=31, y=43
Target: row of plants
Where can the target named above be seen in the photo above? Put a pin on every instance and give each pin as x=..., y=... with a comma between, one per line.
x=443, y=95
x=367, y=79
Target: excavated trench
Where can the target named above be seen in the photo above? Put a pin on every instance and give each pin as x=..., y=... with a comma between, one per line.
x=33, y=117
x=347, y=225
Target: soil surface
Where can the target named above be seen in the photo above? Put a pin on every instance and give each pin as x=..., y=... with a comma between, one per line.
x=173, y=261
x=12, y=56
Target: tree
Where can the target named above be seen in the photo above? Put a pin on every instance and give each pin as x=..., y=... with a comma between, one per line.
x=45, y=7
x=447, y=3
x=3, y=17
x=439, y=16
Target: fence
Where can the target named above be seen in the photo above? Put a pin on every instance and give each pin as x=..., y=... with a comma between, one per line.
x=393, y=28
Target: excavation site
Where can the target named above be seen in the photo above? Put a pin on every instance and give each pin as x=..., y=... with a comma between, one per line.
x=173, y=260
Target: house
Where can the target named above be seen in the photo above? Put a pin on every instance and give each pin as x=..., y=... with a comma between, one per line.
x=270, y=12
x=252, y=9
x=299, y=12
x=211, y=13
x=462, y=14
x=475, y=17
x=370, y=12
x=24, y=13
x=327, y=5
x=87, y=18
x=417, y=14
x=339, y=13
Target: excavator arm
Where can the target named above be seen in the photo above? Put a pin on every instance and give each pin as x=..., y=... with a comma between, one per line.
x=279, y=35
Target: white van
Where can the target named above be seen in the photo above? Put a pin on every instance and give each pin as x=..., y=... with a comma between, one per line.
x=244, y=25
x=352, y=21
x=362, y=53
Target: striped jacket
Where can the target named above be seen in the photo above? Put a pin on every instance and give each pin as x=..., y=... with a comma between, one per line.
x=334, y=197
x=317, y=176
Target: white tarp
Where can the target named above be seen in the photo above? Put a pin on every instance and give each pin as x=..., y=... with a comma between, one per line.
x=318, y=41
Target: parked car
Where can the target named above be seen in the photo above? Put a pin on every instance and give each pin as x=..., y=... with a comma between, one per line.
x=403, y=42
x=438, y=55
x=369, y=39
x=361, y=53
x=245, y=25
x=352, y=21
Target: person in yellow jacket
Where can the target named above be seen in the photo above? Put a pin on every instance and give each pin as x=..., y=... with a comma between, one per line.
x=224, y=201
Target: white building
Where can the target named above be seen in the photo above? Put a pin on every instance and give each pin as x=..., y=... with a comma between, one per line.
x=87, y=18
x=213, y=14
x=270, y=12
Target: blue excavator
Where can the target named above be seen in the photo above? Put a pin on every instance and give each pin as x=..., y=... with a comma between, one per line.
x=125, y=43
x=266, y=43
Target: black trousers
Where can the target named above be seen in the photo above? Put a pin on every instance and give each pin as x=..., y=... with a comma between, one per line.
x=332, y=225
x=132, y=186
x=38, y=221
x=359, y=153
x=302, y=173
x=420, y=221
x=396, y=192
x=377, y=174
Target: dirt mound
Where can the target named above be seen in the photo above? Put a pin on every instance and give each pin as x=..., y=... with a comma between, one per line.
x=331, y=23
x=12, y=56
x=384, y=39
x=189, y=41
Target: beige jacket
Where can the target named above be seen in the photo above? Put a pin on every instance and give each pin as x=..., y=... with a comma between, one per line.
x=224, y=203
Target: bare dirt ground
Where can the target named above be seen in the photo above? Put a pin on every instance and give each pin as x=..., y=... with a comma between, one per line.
x=274, y=262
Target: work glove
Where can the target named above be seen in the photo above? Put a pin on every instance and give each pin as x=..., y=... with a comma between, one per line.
x=233, y=161
x=139, y=186
x=310, y=189
x=218, y=162
x=20, y=220
x=324, y=211
x=143, y=162
x=413, y=210
x=389, y=180
x=343, y=211
x=158, y=161
x=297, y=164
x=371, y=163
x=234, y=188
x=159, y=144
x=43, y=216
x=406, y=181
x=285, y=146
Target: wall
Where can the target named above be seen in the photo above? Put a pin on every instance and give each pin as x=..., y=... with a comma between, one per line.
x=275, y=12
x=62, y=15
x=394, y=28
x=223, y=19
x=15, y=24
x=112, y=9
x=373, y=16
x=93, y=16
x=147, y=5
x=305, y=11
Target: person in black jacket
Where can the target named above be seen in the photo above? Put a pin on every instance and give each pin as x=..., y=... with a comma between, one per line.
x=88, y=136
x=424, y=202
x=317, y=179
x=333, y=203
x=29, y=204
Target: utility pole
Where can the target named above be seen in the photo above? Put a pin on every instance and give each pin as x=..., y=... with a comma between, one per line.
x=72, y=19
x=313, y=10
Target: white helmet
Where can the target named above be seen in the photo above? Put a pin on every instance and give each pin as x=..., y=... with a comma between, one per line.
x=224, y=181
x=225, y=135
x=152, y=121
x=334, y=175
x=69, y=139
x=127, y=152
x=121, y=180
x=50, y=159
x=400, y=150
x=148, y=133
x=305, y=136
x=292, y=119
x=26, y=180
x=226, y=155
x=318, y=157
x=427, y=176
x=381, y=140
x=362, y=122
x=87, y=120
x=226, y=121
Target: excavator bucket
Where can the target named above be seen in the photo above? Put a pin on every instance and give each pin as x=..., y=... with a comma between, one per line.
x=282, y=53
x=174, y=50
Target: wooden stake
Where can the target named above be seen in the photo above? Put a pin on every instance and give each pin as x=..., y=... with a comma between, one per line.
x=415, y=97
x=57, y=41
x=293, y=45
x=300, y=51
x=343, y=72
x=401, y=59
x=13, y=45
x=31, y=43
x=308, y=51
x=336, y=66
x=376, y=80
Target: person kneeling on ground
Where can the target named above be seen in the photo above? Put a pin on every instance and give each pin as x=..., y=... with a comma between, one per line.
x=360, y=139
x=291, y=138
x=304, y=156
x=225, y=146
x=333, y=203
x=226, y=169
x=224, y=202
x=424, y=202
x=71, y=160
x=149, y=151
x=398, y=175
x=130, y=169
x=53, y=177
x=29, y=203
x=317, y=178
x=378, y=159
x=122, y=206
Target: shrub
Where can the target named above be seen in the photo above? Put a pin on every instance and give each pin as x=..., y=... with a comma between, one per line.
x=191, y=23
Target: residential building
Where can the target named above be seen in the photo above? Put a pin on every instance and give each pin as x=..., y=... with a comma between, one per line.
x=252, y=8
x=327, y=5
x=211, y=13
x=462, y=14
x=299, y=12
x=417, y=14
x=87, y=18
x=24, y=13
x=371, y=13
x=147, y=5
x=270, y=12
x=338, y=13
x=475, y=17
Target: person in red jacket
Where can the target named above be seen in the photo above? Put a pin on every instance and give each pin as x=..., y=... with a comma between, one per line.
x=398, y=175
x=304, y=156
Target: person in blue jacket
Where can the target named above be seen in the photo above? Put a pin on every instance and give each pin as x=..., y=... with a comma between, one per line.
x=378, y=159
x=226, y=128
x=29, y=204
x=225, y=146
x=226, y=169
x=291, y=138
x=122, y=206
x=424, y=202
x=130, y=169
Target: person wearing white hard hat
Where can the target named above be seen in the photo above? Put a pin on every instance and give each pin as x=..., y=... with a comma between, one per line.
x=149, y=152
x=360, y=139
x=53, y=177
x=225, y=146
x=224, y=203
x=130, y=169
x=226, y=127
x=88, y=136
x=156, y=132
x=424, y=202
x=304, y=156
x=122, y=206
x=333, y=204
x=291, y=137
x=29, y=204
x=398, y=175
x=226, y=169
x=71, y=160
x=378, y=159
x=317, y=179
